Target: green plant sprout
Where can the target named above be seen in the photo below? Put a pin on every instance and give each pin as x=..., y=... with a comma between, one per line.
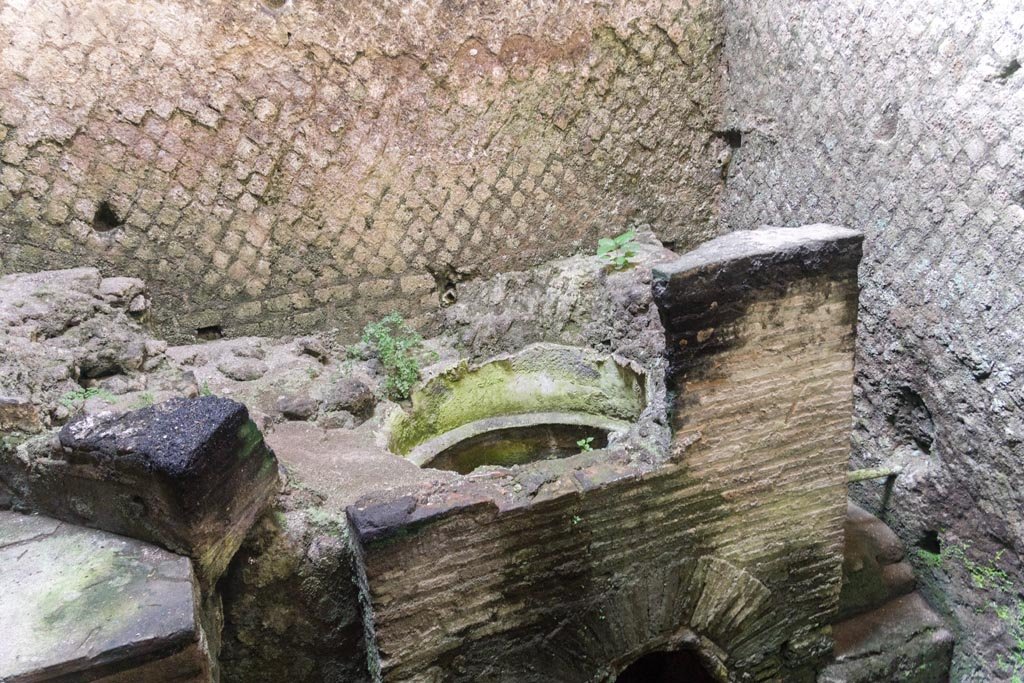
x=145, y=400
x=69, y=399
x=585, y=444
x=618, y=251
x=397, y=346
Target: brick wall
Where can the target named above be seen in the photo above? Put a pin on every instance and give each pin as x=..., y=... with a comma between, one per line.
x=731, y=545
x=272, y=166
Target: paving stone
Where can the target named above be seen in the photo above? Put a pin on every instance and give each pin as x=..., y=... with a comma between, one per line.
x=79, y=604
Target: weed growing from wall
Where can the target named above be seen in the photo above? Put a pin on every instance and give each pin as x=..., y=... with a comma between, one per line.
x=398, y=347
x=618, y=251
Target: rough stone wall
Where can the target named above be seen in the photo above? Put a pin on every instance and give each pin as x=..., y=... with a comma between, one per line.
x=279, y=165
x=291, y=611
x=906, y=120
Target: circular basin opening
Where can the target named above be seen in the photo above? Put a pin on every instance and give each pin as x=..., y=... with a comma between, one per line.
x=518, y=446
x=537, y=404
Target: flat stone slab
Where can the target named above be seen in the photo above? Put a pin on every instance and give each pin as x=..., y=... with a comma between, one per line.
x=765, y=242
x=903, y=640
x=79, y=604
x=190, y=475
x=343, y=465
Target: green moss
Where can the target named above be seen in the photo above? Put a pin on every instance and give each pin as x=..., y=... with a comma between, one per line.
x=90, y=589
x=250, y=437
x=330, y=521
x=933, y=560
x=545, y=379
x=10, y=441
x=73, y=398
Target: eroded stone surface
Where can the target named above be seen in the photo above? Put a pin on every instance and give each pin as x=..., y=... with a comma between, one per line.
x=291, y=607
x=577, y=301
x=190, y=475
x=903, y=640
x=80, y=604
x=62, y=334
x=875, y=569
x=906, y=120
x=885, y=631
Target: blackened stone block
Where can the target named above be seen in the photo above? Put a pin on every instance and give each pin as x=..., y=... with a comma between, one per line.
x=191, y=475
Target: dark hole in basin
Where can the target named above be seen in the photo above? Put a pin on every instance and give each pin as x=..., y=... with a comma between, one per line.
x=680, y=666
x=517, y=446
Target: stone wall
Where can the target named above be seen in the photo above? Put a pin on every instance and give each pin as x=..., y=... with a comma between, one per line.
x=906, y=120
x=570, y=569
x=289, y=164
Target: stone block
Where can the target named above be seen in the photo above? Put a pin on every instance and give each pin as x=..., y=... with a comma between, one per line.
x=84, y=605
x=18, y=415
x=705, y=295
x=191, y=475
x=903, y=640
x=874, y=568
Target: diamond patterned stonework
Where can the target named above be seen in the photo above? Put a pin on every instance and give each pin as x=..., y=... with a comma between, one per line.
x=272, y=169
x=906, y=120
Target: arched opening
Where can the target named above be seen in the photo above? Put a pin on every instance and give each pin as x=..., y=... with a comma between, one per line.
x=679, y=666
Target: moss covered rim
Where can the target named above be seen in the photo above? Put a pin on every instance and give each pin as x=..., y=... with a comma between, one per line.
x=543, y=383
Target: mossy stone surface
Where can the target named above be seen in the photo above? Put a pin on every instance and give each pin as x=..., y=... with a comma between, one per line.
x=540, y=379
x=76, y=600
